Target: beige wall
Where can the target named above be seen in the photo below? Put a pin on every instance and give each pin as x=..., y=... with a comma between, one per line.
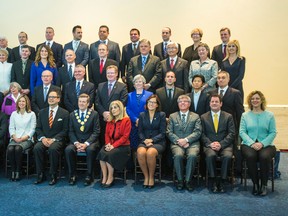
x=259, y=25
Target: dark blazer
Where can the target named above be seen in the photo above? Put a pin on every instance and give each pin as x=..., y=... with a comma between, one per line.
x=63, y=77
x=38, y=102
x=159, y=51
x=152, y=71
x=94, y=71
x=82, y=53
x=3, y=129
x=226, y=130
x=181, y=71
x=57, y=50
x=127, y=54
x=155, y=130
x=113, y=47
x=59, y=129
x=91, y=128
x=202, y=105
x=102, y=100
x=217, y=55
x=167, y=105
x=15, y=56
x=232, y=103
x=70, y=97
x=9, y=50
x=18, y=76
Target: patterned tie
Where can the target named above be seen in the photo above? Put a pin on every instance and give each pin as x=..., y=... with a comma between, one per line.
x=70, y=72
x=215, y=121
x=134, y=48
x=82, y=116
x=78, y=89
x=48, y=44
x=165, y=49
x=51, y=118
x=183, y=119
x=143, y=62
x=172, y=63
x=23, y=66
x=101, y=65
x=170, y=94
x=224, y=51
x=221, y=93
x=45, y=93
x=109, y=88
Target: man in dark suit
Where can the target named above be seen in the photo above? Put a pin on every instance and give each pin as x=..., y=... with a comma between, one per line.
x=16, y=51
x=4, y=46
x=77, y=87
x=176, y=64
x=128, y=51
x=97, y=67
x=217, y=139
x=184, y=131
x=113, y=47
x=160, y=50
x=106, y=93
x=20, y=71
x=52, y=129
x=219, y=51
x=84, y=130
x=147, y=65
x=40, y=96
x=80, y=48
x=56, y=48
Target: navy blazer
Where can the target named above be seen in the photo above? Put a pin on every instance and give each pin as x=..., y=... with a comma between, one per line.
x=113, y=47
x=82, y=53
x=57, y=50
x=202, y=105
x=63, y=78
x=217, y=55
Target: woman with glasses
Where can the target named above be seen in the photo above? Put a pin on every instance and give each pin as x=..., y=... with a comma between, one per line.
x=152, y=128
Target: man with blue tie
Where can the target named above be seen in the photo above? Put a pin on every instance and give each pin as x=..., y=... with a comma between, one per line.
x=77, y=87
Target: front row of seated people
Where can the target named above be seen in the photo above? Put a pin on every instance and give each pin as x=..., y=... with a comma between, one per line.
x=185, y=129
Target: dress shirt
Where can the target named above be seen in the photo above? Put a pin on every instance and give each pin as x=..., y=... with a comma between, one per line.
x=75, y=44
x=224, y=90
x=172, y=91
x=104, y=41
x=54, y=111
x=113, y=83
x=50, y=43
x=104, y=60
x=5, y=76
x=213, y=113
x=81, y=83
x=196, y=96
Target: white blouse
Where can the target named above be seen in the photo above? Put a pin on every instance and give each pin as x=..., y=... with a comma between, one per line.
x=5, y=76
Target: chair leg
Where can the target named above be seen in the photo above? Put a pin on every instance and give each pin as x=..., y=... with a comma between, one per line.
x=273, y=173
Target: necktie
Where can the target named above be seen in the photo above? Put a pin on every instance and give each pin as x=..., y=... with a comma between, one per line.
x=51, y=118
x=75, y=45
x=70, y=72
x=170, y=94
x=48, y=44
x=215, y=120
x=221, y=93
x=23, y=66
x=183, y=119
x=109, y=89
x=102, y=42
x=101, y=65
x=45, y=93
x=82, y=116
x=224, y=51
x=165, y=49
x=143, y=62
x=172, y=63
x=78, y=89
x=134, y=48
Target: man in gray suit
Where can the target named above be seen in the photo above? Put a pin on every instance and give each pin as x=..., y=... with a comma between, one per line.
x=114, y=50
x=184, y=131
x=147, y=65
x=80, y=48
x=176, y=64
x=217, y=138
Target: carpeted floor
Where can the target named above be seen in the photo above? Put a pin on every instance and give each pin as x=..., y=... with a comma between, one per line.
x=24, y=198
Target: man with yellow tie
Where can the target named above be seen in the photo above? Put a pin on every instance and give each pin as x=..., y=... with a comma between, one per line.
x=217, y=138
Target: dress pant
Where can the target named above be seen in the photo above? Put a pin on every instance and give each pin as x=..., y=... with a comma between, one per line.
x=211, y=155
x=264, y=157
x=179, y=153
x=71, y=157
x=54, y=151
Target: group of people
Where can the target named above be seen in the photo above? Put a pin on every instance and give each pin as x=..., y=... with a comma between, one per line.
x=177, y=105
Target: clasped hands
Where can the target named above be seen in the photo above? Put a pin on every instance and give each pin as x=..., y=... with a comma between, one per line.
x=257, y=146
x=109, y=147
x=183, y=143
x=81, y=147
x=216, y=146
x=47, y=141
x=148, y=142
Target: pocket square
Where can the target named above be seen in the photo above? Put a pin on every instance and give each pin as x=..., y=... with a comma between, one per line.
x=60, y=119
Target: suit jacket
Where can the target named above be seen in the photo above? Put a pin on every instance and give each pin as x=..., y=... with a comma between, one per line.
x=232, y=103
x=202, y=105
x=70, y=97
x=82, y=53
x=57, y=50
x=15, y=56
x=38, y=102
x=226, y=130
x=169, y=106
x=191, y=130
x=63, y=77
x=9, y=50
x=113, y=47
x=3, y=128
x=181, y=71
x=127, y=54
x=155, y=130
x=94, y=71
x=59, y=129
x=102, y=100
x=91, y=127
x=152, y=71
x=159, y=51
x=217, y=55
x=18, y=76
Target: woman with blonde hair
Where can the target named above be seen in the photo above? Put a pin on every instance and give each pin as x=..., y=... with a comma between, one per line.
x=116, y=151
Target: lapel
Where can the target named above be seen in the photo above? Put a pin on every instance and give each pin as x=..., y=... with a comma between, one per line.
x=113, y=89
x=139, y=63
x=82, y=89
x=147, y=63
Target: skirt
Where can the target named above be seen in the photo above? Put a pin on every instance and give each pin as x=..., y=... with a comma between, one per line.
x=25, y=145
x=117, y=157
x=160, y=148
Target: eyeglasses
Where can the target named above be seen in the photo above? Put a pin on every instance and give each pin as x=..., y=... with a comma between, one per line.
x=152, y=102
x=184, y=101
x=171, y=48
x=52, y=97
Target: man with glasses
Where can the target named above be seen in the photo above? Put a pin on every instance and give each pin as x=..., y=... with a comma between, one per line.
x=184, y=131
x=52, y=130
